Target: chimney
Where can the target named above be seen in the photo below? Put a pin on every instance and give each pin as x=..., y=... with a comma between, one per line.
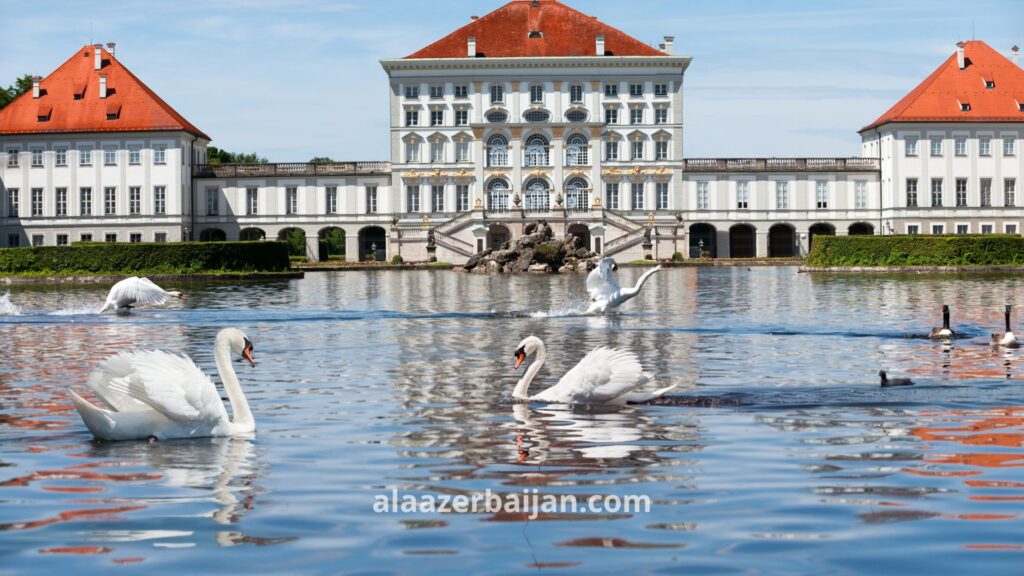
x=669, y=44
x=110, y=47
x=960, y=55
x=599, y=45
x=1014, y=51
x=35, y=86
x=103, y=85
x=471, y=47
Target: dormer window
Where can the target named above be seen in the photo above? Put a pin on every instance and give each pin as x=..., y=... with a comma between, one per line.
x=965, y=106
x=113, y=111
x=43, y=113
x=990, y=84
x=536, y=34
x=80, y=91
x=1020, y=106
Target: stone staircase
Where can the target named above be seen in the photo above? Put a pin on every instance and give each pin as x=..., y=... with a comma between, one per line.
x=633, y=233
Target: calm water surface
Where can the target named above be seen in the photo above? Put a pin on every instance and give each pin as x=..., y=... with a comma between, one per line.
x=778, y=453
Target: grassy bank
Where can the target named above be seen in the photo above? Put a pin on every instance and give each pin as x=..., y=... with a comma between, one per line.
x=917, y=250
x=90, y=259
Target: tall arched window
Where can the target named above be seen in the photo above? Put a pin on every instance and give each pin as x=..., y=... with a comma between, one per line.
x=497, y=196
x=576, y=150
x=497, y=150
x=536, y=153
x=577, y=194
x=537, y=196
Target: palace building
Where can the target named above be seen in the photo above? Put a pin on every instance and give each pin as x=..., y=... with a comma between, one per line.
x=534, y=111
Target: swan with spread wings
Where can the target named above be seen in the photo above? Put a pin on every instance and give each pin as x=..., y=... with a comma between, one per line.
x=604, y=289
x=124, y=295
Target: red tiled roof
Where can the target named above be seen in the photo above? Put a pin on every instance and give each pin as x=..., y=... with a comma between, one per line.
x=141, y=110
x=505, y=33
x=939, y=97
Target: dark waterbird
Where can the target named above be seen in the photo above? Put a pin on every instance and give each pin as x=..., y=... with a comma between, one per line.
x=1006, y=339
x=887, y=383
x=944, y=333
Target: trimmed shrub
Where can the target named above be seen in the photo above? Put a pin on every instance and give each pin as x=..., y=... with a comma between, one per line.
x=139, y=258
x=918, y=250
x=648, y=257
x=396, y=259
x=677, y=256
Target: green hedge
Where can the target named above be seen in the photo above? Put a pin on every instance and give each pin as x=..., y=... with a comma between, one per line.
x=138, y=258
x=918, y=250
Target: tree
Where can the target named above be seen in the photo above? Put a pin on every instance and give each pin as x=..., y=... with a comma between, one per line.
x=215, y=155
x=322, y=160
x=20, y=86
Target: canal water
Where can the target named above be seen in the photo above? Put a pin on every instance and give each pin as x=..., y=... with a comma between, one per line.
x=779, y=452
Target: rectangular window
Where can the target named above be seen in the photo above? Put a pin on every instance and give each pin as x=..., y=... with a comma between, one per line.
x=37, y=157
x=703, y=200
x=986, y=228
x=61, y=201
x=1010, y=228
x=936, y=192
x=134, y=200
x=661, y=150
x=60, y=156
x=159, y=200
x=961, y=191
x=1008, y=146
x=821, y=194
x=461, y=198
x=611, y=150
x=371, y=199
x=638, y=150
x=910, y=147
x=437, y=198
x=636, y=90
x=742, y=195
x=661, y=115
x=637, y=189
x=291, y=200
x=412, y=152
x=412, y=198
x=984, y=146
x=936, y=146
x=135, y=237
x=611, y=115
x=636, y=115
x=986, y=191
x=576, y=92
x=963, y=228
x=782, y=195
x=437, y=151
x=85, y=237
x=938, y=229
x=160, y=237
x=37, y=202
x=860, y=194
x=252, y=201
x=134, y=155
x=462, y=151
x=462, y=117
x=13, y=240
x=109, y=201
x=412, y=118
x=913, y=229
x=611, y=90
x=661, y=195
x=85, y=201
x=437, y=91
x=911, y=192
x=497, y=93
x=437, y=117
x=38, y=240
x=1010, y=191
x=12, y=157
x=62, y=239
x=611, y=192
x=661, y=89
x=110, y=156
x=12, y=203
x=412, y=92
x=110, y=237
x=960, y=146
x=159, y=154
x=536, y=93
x=461, y=91
x=212, y=201
x=331, y=199
x=84, y=157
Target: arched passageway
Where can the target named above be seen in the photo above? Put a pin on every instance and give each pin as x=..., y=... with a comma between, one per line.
x=781, y=241
x=742, y=241
x=702, y=241
x=373, y=241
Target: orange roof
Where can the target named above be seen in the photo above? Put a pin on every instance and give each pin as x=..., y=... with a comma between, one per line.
x=131, y=104
x=505, y=33
x=941, y=96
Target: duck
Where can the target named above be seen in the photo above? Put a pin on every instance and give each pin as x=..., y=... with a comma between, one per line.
x=124, y=295
x=1006, y=339
x=887, y=383
x=944, y=333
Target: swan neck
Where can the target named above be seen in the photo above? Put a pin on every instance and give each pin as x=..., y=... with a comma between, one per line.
x=241, y=414
x=643, y=278
x=522, y=388
x=1008, y=322
x=945, y=319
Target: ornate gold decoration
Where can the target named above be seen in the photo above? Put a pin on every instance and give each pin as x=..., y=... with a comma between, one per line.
x=411, y=175
x=595, y=86
x=595, y=132
x=556, y=85
x=478, y=86
x=662, y=170
x=650, y=218
x=515, y=86
x=557, y=132
x=436, y=173
x=426, y=221
x=478, y=203
x=636, y=169
x=597, y=201
x=517, y=133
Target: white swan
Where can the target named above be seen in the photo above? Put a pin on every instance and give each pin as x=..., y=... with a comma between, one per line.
x=605, y=376
x=604, y=289
x=156, y=394
x=1007, y=339
x=130, y=291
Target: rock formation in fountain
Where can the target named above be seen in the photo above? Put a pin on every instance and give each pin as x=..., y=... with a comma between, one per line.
x=536, y=251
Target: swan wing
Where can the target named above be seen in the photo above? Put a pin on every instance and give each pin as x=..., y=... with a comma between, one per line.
x=600, y=377
x=138, y=290
x=600, y=283
x=106, y=381
x=170, y=384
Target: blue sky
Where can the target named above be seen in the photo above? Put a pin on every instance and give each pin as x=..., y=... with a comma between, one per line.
x=292, y=80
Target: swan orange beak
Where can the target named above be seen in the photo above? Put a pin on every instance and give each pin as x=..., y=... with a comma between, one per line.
x=520, y=356
x=181, y=296
x=247, y=354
